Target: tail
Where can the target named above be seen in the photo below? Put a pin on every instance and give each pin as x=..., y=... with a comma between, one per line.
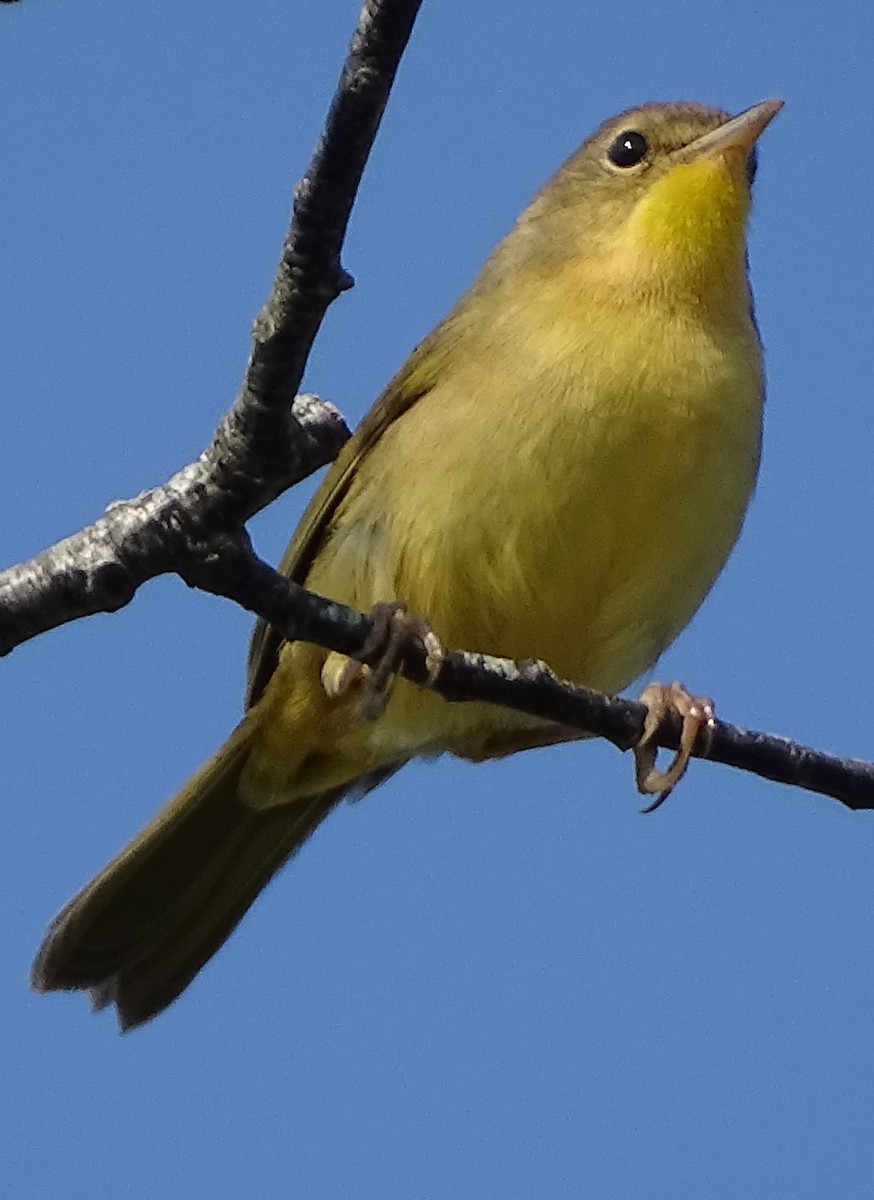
x=138, y=934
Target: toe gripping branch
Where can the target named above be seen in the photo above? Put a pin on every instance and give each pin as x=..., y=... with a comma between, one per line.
x=698, y=718
x=384, y=650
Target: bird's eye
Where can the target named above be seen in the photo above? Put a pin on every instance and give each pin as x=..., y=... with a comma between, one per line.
x=629, y=149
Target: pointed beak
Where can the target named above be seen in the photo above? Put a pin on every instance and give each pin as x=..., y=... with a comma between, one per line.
x=740, y=133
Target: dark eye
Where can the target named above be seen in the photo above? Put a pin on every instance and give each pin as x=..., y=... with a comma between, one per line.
x=629, y=149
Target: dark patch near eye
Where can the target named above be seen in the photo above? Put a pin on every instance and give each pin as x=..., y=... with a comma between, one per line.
x=752, y=165
x=629, y=149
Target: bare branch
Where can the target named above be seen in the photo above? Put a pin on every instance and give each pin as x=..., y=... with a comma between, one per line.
x=269, y=439
x=100, y=568
x=310, y=275
x=233, y=570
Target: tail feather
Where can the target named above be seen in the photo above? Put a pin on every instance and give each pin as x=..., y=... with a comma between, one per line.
x=141, y=930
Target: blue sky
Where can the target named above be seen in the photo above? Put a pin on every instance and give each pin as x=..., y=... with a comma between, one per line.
x=481, y=981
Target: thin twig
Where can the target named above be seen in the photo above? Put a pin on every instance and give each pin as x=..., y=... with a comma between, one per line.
x=100, y=568
x=232, y=569
x=270, y=438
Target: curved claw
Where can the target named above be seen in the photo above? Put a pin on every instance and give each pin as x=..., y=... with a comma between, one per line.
x=392, y=630
x=698, y=716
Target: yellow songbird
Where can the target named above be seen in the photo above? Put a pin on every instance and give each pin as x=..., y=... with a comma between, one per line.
x=559, y=472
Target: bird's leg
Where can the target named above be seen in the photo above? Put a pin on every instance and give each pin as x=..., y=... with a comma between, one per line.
x=698, y=717
x=389, y=637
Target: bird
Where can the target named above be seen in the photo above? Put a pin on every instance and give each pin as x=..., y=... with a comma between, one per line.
x=559, y=472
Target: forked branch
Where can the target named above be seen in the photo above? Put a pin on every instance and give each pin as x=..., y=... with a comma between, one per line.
x=271, y=438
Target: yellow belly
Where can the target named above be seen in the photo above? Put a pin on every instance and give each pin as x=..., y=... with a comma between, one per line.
x=584, y=526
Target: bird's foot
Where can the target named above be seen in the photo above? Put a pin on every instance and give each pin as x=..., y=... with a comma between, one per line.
x=391, y=634
x=698, y=717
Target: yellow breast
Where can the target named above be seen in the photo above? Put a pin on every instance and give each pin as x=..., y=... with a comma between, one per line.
x=571, y=476
x=584, y=518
